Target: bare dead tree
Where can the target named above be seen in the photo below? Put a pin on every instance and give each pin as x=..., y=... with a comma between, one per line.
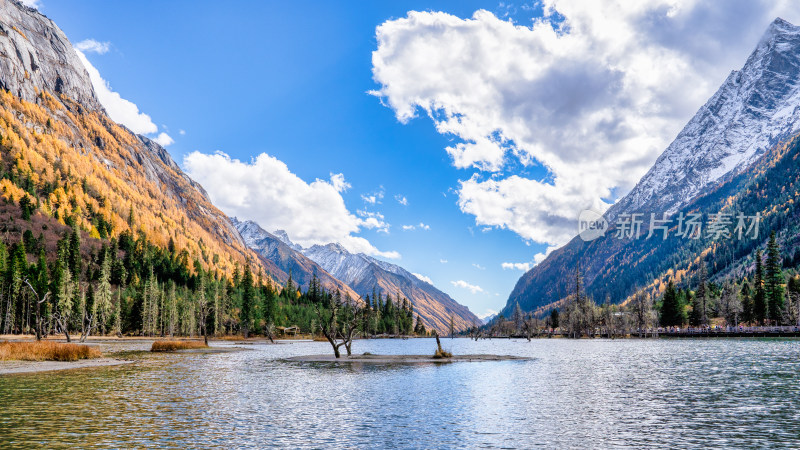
x=338, y=322
x=530, y=326
x=39, y=302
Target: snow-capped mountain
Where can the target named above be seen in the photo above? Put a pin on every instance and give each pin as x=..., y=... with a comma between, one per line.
x=365, y=273
x=282, y=259
x=362, y=274
x=281, y=234
x=754, y=109
x=741, y=133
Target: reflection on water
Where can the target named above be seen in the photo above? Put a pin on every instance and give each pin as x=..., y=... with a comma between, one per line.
x=599, y=393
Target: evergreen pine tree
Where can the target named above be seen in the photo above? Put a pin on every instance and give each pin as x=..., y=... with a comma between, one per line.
x=759, y=299
x=672, y=313
x=773, y=281
x=248, y=301
x=747, y=302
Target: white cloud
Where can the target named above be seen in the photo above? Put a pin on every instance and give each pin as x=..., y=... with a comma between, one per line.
x=266, y=191
x=118, y=109
x=373, y=198
x=35, y=4
x=593, y=92
x=526, y=266
x=463, y=284
x=373, y=220
x=478, y=266
x=443, y=261
x=93, y=46
x=182, y=132
x=423, y=278
x=421, y=226
x=163, y=139
x=401, y=199
x=338, y=182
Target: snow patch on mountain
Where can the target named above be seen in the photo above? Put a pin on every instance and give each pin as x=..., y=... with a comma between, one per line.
x=754, y=109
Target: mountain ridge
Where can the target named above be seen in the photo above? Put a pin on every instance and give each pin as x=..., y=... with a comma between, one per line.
x=363, y=273
x=754, y=112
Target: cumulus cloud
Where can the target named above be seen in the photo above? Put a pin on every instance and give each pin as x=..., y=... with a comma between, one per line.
x=338, y=182
x=471, y=287
x=182, y=132
x=93, y=46
x=526, y=266
x=478, y=266
x=163, y=139
x=401, y=199
x=423, y=278
x=593, y=92
x=266, y=191
x=120, y=110
x=374, y=220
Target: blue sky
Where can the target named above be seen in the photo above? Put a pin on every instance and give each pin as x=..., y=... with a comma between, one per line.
x=560, y=116
x=291, y=79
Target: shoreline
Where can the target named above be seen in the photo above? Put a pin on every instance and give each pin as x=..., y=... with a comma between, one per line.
x=26, y=367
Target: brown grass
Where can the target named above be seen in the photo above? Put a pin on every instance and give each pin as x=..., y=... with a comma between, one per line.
x=171, y=346
x=46, y=351
x=441, y=354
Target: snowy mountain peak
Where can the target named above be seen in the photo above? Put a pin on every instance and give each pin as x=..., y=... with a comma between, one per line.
x=249, y=230
x=284, y=237
x=754, y=109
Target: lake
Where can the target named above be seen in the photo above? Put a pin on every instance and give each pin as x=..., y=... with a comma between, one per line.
x=587, y=393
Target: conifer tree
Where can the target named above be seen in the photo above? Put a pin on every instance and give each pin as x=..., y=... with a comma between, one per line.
x=672, y=312
x=760, y=298
x=248, y=301
x=773, y=281
x=747, y=302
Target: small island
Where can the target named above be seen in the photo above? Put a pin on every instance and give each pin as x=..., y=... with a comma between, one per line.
x=404, y=359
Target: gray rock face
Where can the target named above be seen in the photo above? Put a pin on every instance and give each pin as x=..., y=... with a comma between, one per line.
x=756, y=107
x=35, y=55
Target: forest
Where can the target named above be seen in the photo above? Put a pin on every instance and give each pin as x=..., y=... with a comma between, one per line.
x=131, y=287
x=769, y=296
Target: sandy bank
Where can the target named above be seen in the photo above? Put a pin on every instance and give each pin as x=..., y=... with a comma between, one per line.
x=13, y=367
x=404, y=359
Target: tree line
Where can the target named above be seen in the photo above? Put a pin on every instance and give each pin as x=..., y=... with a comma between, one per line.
x=129, y=286
x=764, y=298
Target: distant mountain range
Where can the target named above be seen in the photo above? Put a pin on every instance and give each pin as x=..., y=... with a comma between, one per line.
x=357, y=274
x=736, y=155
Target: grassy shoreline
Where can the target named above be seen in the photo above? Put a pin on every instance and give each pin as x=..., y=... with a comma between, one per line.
x=46, y=351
